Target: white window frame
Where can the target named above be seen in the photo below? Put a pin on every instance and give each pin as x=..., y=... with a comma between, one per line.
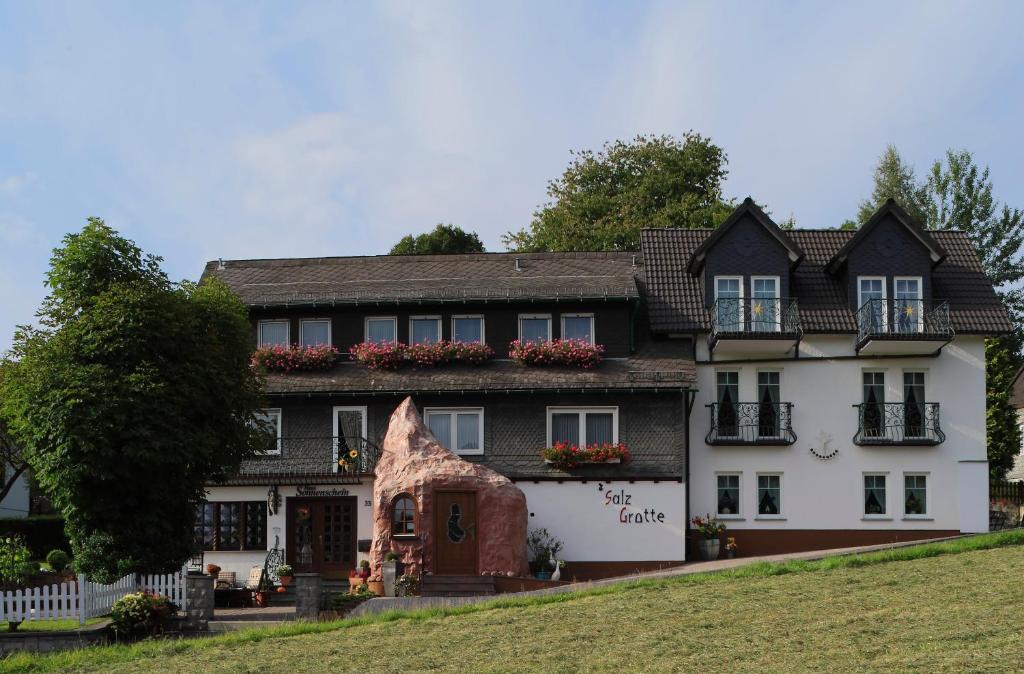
x=287, y=332
x=483, y=325
x=920, y=296
x=777, y=326
x=739, y=299
x=366, y=326
x=328, y=321
x=903, y=398
x=429, y=317
x=277, y=444
x=757, y=501
x=533, y=316
x=453, y=428
x=887, y=515
x=583, y=411
x=757, y=400
x=334, y=426
x=592, y=322
x=885, y=297
x=738, y=515
x=927, y=514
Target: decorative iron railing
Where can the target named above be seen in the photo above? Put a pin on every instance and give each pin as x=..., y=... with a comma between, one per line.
x=756, y=317
x=898, y=424
x=903, y=318
x=344, y=455
x=751, y=424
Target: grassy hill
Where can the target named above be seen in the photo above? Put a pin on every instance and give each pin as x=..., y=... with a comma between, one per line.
x=942, y=607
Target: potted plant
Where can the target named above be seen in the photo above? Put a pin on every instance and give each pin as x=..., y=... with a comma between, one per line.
x=543, y=548
x=389, y=573
x=286, y=574
x=355, y=581
x=212, y=569
x=364, y=569
x=710, y=530
x=730, y=547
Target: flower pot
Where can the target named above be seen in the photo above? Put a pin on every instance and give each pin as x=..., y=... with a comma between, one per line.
x=261, y=599
x=355, y=582
x=543, y=575
x=286, y=580
x=730, y=554
x=389, y=572
x=709, y=548
x=376, y=587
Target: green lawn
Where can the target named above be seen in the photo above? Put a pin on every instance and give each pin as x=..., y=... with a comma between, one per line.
x=55, y=625
x=944, y=607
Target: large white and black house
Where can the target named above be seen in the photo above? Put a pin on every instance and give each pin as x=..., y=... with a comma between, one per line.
x=812, y=388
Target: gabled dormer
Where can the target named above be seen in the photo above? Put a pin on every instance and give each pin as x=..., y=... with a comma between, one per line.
x=745, y=265
x=887, y=271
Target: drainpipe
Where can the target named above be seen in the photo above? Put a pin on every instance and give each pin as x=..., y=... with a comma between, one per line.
x=689, y=396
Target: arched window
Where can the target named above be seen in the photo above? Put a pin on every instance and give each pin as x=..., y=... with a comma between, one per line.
x=403, y=515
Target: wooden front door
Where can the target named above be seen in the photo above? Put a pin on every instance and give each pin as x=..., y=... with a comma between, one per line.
x=322, y=535
x=455, y=533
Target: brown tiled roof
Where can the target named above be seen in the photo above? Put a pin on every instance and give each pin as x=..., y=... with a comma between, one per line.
x=655, y=365
x=397, y=278
x=676, y=303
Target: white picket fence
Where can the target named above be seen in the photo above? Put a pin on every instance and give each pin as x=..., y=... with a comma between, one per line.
x=85, y=599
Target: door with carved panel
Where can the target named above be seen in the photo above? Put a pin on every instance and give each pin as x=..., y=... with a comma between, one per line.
x=455, y=533
x=322, y=535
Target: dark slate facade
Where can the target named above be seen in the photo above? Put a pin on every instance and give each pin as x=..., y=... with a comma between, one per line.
x=746, y=250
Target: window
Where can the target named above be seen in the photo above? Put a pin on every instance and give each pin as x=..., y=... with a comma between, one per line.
x=273, y=333
x=578, y=326
x=908, y=314
x=583, y=426
x=468, y=329
x=315, y=332
x=424, y=329
x=874, y=495
x=873, y=411
x=915, y=495
x=460, y=430
x=769, y=411
x=913, y=405
x=729, y=300
x=534, y=327
x=270, y=420
x=764, y=304
x=728, y=398
x=769, y=495
x=381, y=329
x=871, y=289
x=403, y=516
x=233, y=525
x=729, y=494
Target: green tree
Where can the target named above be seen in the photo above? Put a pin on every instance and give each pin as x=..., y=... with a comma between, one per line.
x=603, y=199
x=132, y=394
x=442, y=240
x=958, y=194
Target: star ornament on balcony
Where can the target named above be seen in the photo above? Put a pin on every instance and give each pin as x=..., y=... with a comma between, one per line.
x=908, y=310
x=757, y=309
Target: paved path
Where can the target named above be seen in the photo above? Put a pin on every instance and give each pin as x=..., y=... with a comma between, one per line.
x=382, y=604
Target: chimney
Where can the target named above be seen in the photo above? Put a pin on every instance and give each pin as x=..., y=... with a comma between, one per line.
x=220, y=263
x=518, y=268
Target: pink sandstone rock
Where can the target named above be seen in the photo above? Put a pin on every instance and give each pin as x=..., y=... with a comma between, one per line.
x=413, y=462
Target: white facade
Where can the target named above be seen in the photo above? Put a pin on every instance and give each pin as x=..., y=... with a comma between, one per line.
x=823, y=385
x=611, y=521
x=18, y=499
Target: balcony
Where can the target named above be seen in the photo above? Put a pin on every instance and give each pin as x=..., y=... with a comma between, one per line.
x=751, y=424
x=342, y=459
x=898, y=424
x=759, y=326
x=902, y=327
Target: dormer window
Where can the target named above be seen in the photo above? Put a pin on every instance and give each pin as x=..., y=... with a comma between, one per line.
x=908, y=308
x=578, y=326
x=381, y=329
x=764, y=305
x=468, y=329
x=535, y=327
x=424, y=329
x=728, y=300
x=871, y=292
x=273, y=333
x=315, y=331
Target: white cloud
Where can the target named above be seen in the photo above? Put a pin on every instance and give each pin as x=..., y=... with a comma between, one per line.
x=13, y=186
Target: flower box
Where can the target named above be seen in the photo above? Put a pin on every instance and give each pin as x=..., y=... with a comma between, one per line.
x=295, y=358
x=564, y=352
x=393, y=355
x=563, y=455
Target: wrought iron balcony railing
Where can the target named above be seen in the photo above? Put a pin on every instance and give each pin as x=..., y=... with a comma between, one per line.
x=352, y=456
x=903, y=319
x=751, y=424
x=755, y=318
x=898, y=424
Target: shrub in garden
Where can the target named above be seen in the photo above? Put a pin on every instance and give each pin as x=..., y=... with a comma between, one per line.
x=295, y=358
x=58, y=560
x=565, y=455
x=568, y=352
x=141, y=614
x=15, y=562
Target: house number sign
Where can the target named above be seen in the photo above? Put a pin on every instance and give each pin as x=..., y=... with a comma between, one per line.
x=622, y=500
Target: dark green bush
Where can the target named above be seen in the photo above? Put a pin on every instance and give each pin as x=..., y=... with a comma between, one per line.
x=58, y=560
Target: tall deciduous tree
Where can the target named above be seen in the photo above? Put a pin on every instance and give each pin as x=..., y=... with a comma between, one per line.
x=957, y=194
x=442, y=240
x=603, y=199
x=130, y=397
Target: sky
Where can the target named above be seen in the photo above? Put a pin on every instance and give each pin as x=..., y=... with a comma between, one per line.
x=245, y=130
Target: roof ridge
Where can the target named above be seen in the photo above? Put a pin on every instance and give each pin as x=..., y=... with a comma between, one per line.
x=384, y=258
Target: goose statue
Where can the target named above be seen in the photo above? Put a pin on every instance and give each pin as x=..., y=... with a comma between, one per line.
x=558, y=569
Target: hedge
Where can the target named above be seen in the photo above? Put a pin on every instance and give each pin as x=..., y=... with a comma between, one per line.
x=41, y=533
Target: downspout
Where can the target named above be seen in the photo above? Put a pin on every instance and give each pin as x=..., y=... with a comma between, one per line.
x=689, y=396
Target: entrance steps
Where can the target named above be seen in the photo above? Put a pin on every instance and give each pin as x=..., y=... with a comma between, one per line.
x=456, y=586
